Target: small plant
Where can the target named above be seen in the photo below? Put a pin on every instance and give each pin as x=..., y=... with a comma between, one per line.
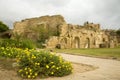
x=42, y=63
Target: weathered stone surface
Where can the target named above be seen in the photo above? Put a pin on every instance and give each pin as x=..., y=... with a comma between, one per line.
x=29, y=28
x=88, y=35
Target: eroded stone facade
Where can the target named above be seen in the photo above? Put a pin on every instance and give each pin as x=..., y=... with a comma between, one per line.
x=88, y=35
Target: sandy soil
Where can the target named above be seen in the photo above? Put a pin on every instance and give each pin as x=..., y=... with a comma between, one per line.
x=8, y=75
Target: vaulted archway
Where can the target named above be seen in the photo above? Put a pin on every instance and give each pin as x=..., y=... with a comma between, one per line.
x=77, y=42
x=87, y=43
x=64, y=42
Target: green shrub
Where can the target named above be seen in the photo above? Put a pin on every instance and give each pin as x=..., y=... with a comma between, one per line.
x=34, y=63
x=118, y=32
x=3, y=27
x=19, y=44
x=8, y=43
x=42, y=63
x=27, y=44
x=10, y=52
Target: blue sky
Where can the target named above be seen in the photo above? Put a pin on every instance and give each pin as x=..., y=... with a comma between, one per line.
x=104, y=12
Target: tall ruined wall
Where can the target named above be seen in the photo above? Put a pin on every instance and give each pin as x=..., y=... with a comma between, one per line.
x=88, y=35
x=30, y=28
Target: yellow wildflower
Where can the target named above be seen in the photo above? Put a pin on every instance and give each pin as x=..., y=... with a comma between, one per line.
x=30, y=70
x=52, y=72
x=26, y=72
x=26, y=49
x=47, y=66
x=25, y=68
x=36, y=74
x=33, y=76
x=30, y=73
x=20, y=70
x=53, y=66
x=2, y=48
x=38, y=64
x=44, y=58
x=33, y=57
x=29, y=76
x=57, y=68
x=35, y=63
x=52, y=62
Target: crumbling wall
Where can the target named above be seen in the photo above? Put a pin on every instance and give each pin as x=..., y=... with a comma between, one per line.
x=66, y=35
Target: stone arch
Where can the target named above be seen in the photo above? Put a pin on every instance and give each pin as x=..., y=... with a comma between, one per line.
x=104, y=40
x=87, y=43
x=77, y=42
x=63, y=42
x=94, y=41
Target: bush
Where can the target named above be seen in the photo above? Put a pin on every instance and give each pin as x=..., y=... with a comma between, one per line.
x=18, y=44
x=42, y=63
x=10, y=52
x=33, y=63
x=3, y=27
x=8, y=43
x=27, y=44
x=118, y=32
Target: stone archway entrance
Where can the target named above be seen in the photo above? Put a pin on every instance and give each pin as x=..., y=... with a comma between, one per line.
x=87, y=44
x=77, y=42
x=63, y=43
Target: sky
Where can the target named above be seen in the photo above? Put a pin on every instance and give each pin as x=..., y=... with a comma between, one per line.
x=103, y=12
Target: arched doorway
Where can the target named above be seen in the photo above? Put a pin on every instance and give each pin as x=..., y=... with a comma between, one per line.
x=77, y=42
x=63, y=43
x=87, y=43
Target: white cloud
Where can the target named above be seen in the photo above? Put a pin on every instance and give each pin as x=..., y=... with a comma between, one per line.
x=75, y=11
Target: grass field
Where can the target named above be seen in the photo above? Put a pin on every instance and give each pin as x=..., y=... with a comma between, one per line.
x=111, y=53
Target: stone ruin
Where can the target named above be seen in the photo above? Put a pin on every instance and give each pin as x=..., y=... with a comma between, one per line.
x=88, y=35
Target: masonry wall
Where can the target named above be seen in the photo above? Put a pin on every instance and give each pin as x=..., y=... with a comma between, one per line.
x=88, y=35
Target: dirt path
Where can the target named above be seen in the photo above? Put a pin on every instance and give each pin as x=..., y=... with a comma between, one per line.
x=108, y=69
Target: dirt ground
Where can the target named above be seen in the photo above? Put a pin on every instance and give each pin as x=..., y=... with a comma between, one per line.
x=8, y=72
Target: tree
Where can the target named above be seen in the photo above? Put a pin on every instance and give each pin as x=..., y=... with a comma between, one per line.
x=3, y=27
x=118, y=32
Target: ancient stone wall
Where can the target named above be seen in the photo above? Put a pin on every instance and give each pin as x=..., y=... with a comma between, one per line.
x=30, y=28
x=88, y=35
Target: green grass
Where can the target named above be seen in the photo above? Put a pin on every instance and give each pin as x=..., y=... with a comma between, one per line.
x=111, y=53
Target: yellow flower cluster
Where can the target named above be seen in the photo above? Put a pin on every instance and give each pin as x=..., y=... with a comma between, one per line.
x=33, y=62
x=47, y=66
x=10, y=52
x=33, y=57
x=37, y=64
x=27, y=73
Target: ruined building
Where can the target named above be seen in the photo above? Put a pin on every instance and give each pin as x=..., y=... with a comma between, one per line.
x=88, y=35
